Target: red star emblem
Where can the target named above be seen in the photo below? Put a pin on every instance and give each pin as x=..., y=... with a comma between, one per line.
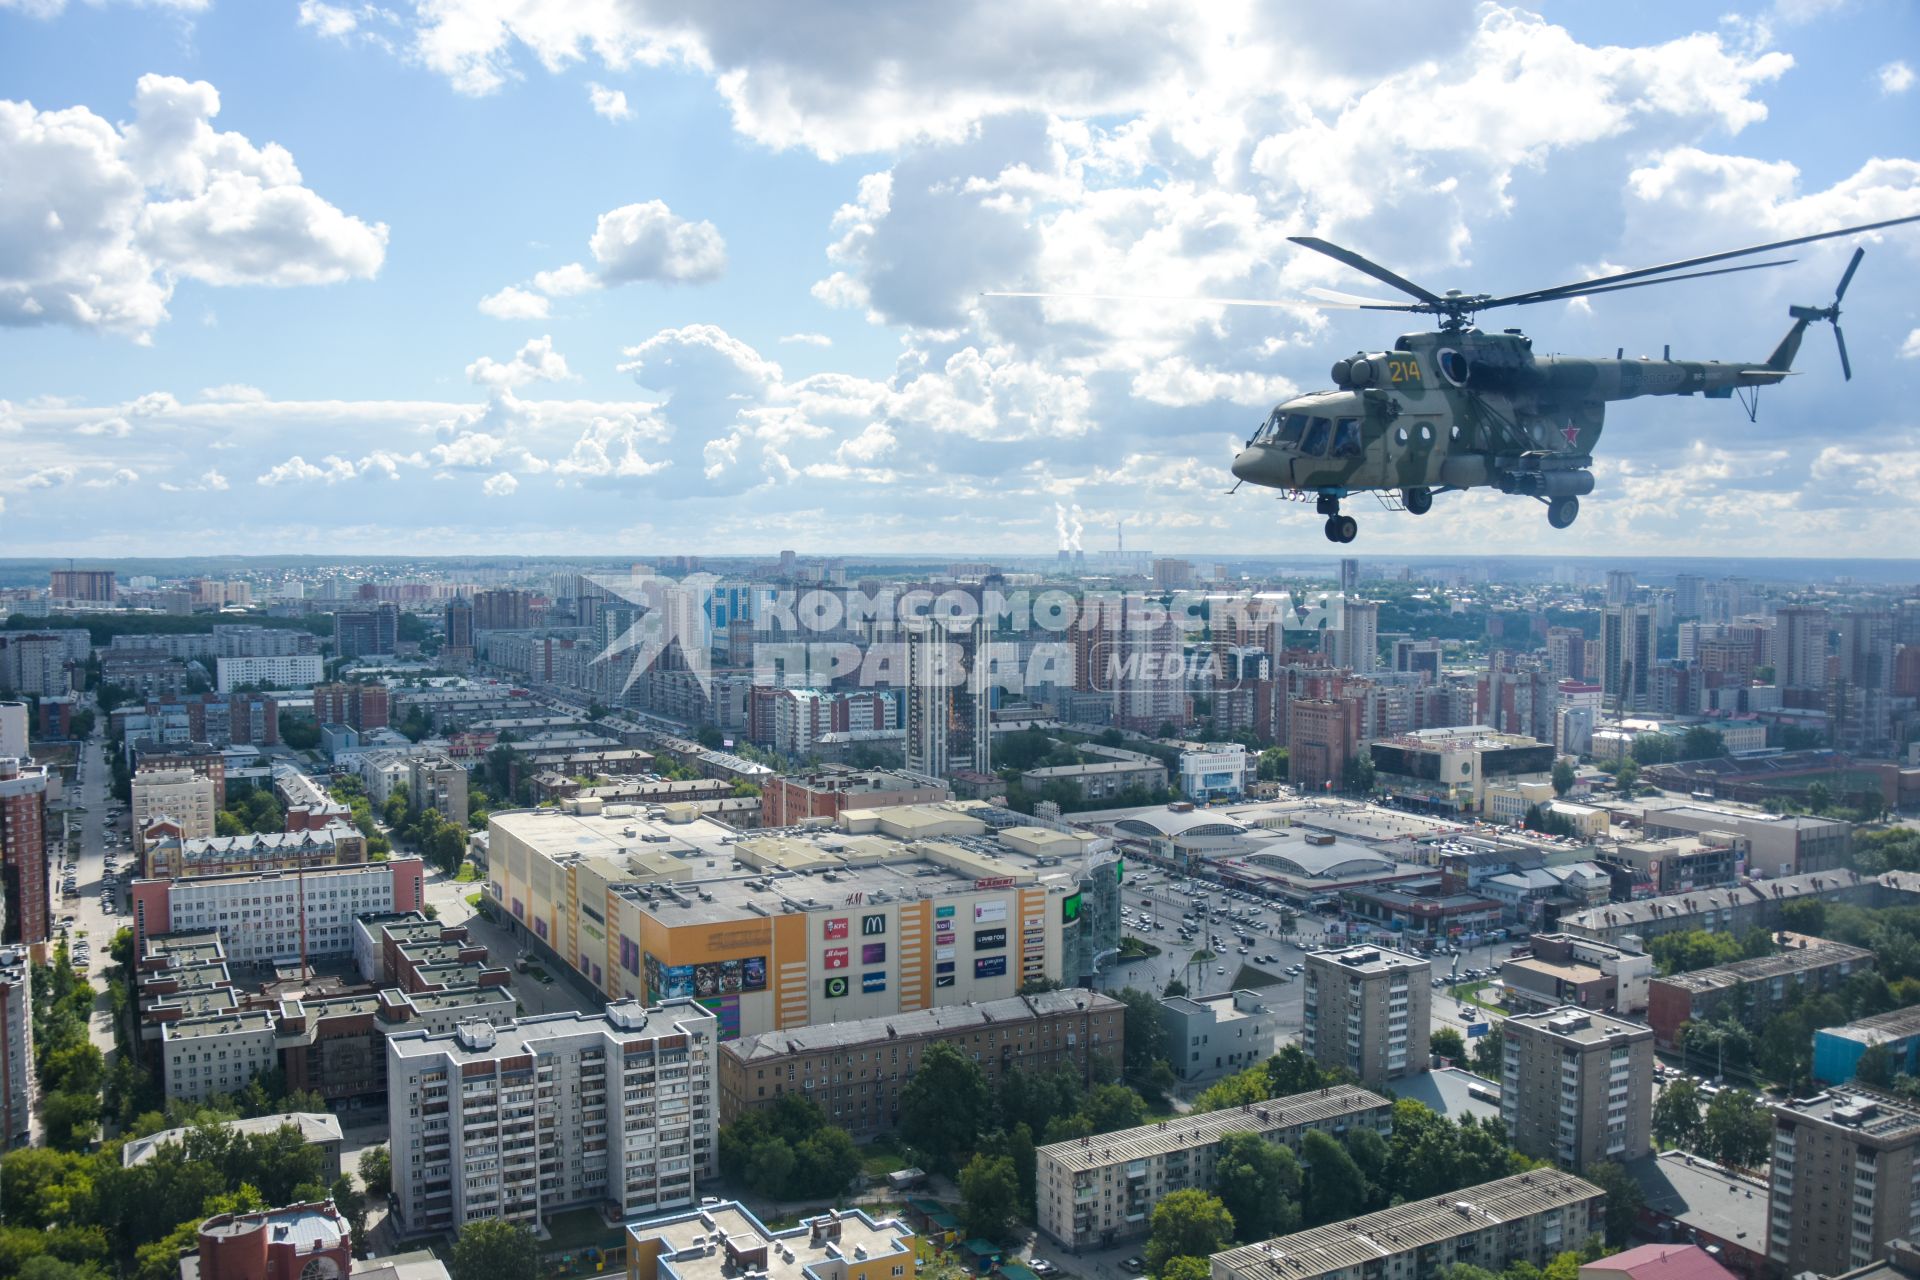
x=1572, y=433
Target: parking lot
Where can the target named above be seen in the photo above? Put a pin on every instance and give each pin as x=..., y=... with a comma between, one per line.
x=1241, y=929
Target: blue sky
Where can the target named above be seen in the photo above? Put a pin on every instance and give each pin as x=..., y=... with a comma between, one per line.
x=776, y=339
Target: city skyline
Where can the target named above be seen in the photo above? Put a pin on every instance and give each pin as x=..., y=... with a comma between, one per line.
x=457, y=281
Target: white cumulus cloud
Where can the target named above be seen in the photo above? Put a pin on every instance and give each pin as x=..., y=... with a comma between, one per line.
x=500, y=484
x=1896, y=78
x=611, y=103
x=807, y=340
x=98, y=221
x=537, y=361
x=636, y=242
x=514, y=303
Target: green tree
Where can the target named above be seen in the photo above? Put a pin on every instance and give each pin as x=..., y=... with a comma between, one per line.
x=1146, y=1034
x=1626, y=777
x=1624, y=1200
x=1563, y=776
x=1358, y=773
x=1875, y=1067
x=989, y=1196
x=1110, y=1107
x=1184, y=1268
x=1373, y=1156
x=1292, y=1071
x=376, y=1170
x=946, y=1105
x=1449, y=1043
x=1819, y=797
x=1490, y=1051
x=1676, y=1116
x=826, y=1160
x=1273, y=765
x=1701, y=743
x=1334, y=1183
x=1738, y=1130
x=1187, y=1224
x=494, y=1249
x=1259, y=1183
x=1026, y=1168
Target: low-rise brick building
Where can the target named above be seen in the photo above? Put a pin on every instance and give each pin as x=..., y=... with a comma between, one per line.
x=856, y=1070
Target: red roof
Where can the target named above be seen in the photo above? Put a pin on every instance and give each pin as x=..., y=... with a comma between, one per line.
x=1662, y=1262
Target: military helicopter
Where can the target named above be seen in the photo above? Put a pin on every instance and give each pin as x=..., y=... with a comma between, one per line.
x=1457, y=408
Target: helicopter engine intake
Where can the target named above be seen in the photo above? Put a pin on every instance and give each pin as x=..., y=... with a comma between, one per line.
x=1363, y=370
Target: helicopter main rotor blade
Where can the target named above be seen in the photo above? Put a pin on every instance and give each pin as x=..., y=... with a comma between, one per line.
x=1635, y=284
x=1847, y=279
x=1367, y=266
x=1152, y=297
x=1335, y=298
x=1846, y=366
x=1586, y=286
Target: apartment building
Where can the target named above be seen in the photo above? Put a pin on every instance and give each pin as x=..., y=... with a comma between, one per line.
x=1844, y=1179
x=25, y=912
x=1758, y=988
x=627, y=1110
x=182, y=796
x=362, y=706
x=218, y=1053
x=1368, y=1010
x=1577, y=1087
x=279, y=915
x=720, y=1241
x=171, y=855
x=290, y=671
x=1734, y=910
x=1096, y=1192
x=1564, y=969
x=199, y=1027
x=1837, y=1050
x=1528, y=1217
x=790, y=800
x=16, y=1047
x=1217, y=1035
x=856, y=1070
x=435, y=782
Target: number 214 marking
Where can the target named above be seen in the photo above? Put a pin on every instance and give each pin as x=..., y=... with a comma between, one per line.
x=1403, y=371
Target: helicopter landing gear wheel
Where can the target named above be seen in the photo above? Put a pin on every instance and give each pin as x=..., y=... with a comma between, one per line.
x=1417, y=501
x=1562, y=511
x=1342, y=528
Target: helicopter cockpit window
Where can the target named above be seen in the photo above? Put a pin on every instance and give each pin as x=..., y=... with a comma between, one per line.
x=1295, y=428
x=1315, y=443
x=1346, y=438
x=1269, y=429
x=1454, y=367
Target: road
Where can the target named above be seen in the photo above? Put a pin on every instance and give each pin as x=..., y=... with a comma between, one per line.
x=92, y=923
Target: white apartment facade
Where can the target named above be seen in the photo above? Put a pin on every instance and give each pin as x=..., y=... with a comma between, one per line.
x=1096, y=1192
x=260, y=916
x=221, y=1053
x=617, y=1110
x=181, y=795
x=294, y=670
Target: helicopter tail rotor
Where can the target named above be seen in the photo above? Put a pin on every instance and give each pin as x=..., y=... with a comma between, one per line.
x=1831, y=314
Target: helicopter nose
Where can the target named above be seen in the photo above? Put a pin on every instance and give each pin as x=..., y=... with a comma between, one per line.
x=1243, y=464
